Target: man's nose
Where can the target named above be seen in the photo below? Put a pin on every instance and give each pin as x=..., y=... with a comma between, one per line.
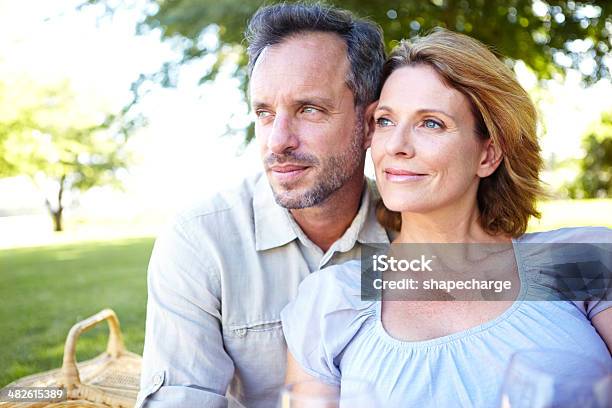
x=282, y=137
x=400, y=143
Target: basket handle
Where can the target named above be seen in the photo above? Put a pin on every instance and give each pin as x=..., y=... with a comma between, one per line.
x=70, y=373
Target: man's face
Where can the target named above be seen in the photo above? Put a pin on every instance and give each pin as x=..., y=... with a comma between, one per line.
x=310, y=135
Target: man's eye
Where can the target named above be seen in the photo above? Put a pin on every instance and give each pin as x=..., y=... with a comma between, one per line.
x=432, y=124
x=309, y=109
x=383, y=122
x=262, y=114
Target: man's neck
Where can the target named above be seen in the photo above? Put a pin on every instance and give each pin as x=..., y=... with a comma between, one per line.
x=325, y=223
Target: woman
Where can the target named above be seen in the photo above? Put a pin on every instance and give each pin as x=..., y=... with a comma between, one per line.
x=457, y=161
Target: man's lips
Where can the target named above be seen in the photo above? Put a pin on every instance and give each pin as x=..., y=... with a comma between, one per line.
x=287, y=168
x=288, y=172
x=399, y=175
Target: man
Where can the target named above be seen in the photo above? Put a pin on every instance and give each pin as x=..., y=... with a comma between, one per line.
x=220, y=276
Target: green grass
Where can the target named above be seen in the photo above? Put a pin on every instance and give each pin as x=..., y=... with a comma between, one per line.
x=45, y=290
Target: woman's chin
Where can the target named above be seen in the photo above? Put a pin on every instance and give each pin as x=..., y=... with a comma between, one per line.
x=414, y=210
x=412, y=204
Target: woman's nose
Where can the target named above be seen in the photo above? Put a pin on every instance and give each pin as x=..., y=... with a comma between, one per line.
x=400, y=142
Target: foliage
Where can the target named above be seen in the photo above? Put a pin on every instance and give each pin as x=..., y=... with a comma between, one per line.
x=549, y=36
x=47, y=136
x=595, y=177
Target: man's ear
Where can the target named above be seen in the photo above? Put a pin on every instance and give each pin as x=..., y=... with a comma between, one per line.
x=369, y=124
x=491, y=158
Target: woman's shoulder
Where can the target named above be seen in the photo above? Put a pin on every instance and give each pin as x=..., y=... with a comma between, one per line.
x=568, y=247
x=334, y=287
x=569, y=235
x=324, y=317
x=344, y=274
x=571, y=264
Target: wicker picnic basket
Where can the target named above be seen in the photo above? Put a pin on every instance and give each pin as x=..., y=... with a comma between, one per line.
x=108, y=380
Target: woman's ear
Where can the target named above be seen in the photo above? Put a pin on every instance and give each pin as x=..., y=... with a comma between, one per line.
x=491, y=158
x=369, y=124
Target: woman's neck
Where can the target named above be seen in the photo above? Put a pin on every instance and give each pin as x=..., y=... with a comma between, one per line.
x=452, y=224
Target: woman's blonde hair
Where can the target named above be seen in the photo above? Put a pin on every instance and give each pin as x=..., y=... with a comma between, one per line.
x=502, y=111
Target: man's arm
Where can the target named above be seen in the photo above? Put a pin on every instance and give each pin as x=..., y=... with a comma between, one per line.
x=184, y=361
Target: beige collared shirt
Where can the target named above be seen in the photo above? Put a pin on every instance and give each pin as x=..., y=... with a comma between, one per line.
x=218, y=279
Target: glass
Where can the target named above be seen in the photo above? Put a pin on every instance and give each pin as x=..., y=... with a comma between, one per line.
x=556, y=378
x=314, y=394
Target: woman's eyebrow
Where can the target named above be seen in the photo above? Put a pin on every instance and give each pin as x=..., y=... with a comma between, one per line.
x=384, y=108
x=422, y=111
x=418, y=112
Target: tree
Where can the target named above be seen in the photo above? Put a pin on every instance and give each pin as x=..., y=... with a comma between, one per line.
x=549, y=36
x=595, y=177
x=49, y=139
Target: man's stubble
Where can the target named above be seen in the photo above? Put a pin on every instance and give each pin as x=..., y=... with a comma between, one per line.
x=334, y=171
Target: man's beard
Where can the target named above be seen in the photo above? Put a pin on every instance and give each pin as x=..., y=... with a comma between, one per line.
x=334, y=172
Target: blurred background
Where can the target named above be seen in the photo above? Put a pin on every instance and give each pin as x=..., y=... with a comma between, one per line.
x=116, y=114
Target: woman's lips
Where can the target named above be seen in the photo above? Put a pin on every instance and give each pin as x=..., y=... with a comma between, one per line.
x=399, y=175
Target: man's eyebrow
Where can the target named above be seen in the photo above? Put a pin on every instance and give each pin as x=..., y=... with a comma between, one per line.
x=259, y=105
x=316, y=100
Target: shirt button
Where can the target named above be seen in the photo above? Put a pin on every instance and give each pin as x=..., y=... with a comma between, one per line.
x=157, y=379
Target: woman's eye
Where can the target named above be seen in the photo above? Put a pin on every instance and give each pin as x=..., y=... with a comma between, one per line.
x=383, y=122
x=432, y=124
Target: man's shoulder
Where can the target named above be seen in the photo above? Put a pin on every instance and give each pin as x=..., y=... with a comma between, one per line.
x=371, y=185
x=228, y=202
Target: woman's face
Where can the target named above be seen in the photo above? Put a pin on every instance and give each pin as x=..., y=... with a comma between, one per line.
x=425, y=149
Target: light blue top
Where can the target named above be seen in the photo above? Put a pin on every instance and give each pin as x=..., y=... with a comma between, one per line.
x=333, y=334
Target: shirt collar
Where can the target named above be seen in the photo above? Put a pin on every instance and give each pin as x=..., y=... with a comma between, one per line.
x=370, y=230
x=365, y=228
x=274, y=226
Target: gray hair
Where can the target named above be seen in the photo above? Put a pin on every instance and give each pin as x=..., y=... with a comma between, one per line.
x=365, y=48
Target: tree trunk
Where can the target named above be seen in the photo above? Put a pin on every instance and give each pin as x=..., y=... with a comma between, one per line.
x=56, y=214
x=57, y=219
